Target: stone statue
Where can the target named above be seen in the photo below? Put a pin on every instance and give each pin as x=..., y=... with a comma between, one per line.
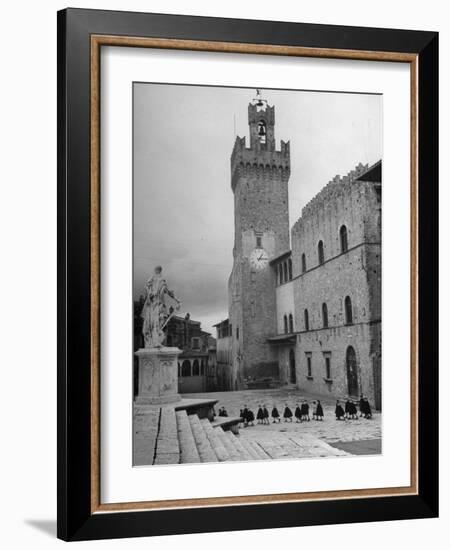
x=157, y=310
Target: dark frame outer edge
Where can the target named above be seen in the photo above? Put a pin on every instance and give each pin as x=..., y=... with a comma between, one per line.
x=75, y=521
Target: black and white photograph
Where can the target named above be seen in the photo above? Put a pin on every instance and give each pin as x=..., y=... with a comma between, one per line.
x=257, y=270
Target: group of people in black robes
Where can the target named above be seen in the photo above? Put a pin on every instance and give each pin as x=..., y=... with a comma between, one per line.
x=223, y=411
x=262, y=416
x=347, y=411
x=350, y=409
x=248, y=418
x=302, y=412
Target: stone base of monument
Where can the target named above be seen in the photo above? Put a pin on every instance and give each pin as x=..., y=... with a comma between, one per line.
x=158, y=376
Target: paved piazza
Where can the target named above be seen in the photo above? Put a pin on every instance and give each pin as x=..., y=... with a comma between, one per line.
x=301, y=440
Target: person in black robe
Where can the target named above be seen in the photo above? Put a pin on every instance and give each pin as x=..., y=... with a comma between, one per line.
x=318, y=412
x=224, y=411
x=339, y=411
x=298, y=414
x=287, y=414
x=265, y=415
x=305, y=411
x=367, y=409
x=347, y=409
x=245, y=416
x=259, y=415
x=361, y=405
x=353, y=411
x=250, y=417
x=275, y=414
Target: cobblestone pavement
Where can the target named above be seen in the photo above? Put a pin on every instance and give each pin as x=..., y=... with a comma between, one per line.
x=297, y=440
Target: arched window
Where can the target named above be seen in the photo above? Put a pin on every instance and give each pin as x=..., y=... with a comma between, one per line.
x=290, y=268
x=195, y=368
x=186, y=368
x=325, y=315
x=348, y=311
x=303, y=263
x=306, y=318
x=262, y=131
x=291, y=323
x=344, y=240
x=285, y=319
x=285, y=272
x=320, y=252
x=280, y=274
x=202, y=368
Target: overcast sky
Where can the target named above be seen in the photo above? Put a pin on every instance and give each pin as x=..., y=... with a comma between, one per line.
x=183, y=202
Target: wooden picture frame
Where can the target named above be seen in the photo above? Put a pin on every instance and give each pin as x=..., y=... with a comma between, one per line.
x=81, y=35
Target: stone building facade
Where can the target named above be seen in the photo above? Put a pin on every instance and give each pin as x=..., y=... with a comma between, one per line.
x=305, y=305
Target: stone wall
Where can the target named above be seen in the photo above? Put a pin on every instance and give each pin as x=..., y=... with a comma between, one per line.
x=335, y=342
x=354, y=272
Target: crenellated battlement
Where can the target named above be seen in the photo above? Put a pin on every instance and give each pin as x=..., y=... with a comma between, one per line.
x=334, y=189
x=248, y=162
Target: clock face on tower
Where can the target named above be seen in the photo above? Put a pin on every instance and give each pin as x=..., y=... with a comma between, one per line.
x=259, y=259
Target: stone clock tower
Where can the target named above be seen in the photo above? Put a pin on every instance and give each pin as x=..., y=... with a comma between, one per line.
x=259, y=179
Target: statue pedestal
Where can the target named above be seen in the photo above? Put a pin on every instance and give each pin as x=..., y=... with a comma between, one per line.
x=158, y=376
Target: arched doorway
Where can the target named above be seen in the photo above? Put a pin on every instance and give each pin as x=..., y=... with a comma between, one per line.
x=195, y=368
x=186, y=368
x=352, y=372
x=292, y=374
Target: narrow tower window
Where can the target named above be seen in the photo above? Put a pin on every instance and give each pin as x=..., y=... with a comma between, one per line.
x=291, y=323
x=306, y=318
x=343, y=237
x=303, y=263
x=290, y=268
x=348, y=311
x=320, y=252
x=325, y=315
x=285, y=324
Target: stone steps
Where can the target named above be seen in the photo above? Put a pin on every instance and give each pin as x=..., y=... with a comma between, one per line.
x=229, y=445
x=215, y=441
x=145, y=434
x=249, y=448
x=188, y=448
x=167, y=445
x=188, y=438
x=243, y=453
x=204, y=448
x=227, y=423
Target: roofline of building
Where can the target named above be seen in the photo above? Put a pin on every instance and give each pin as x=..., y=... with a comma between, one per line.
x=282, y=256
x=221, y=322
x=372, y=169
x=184, y=319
